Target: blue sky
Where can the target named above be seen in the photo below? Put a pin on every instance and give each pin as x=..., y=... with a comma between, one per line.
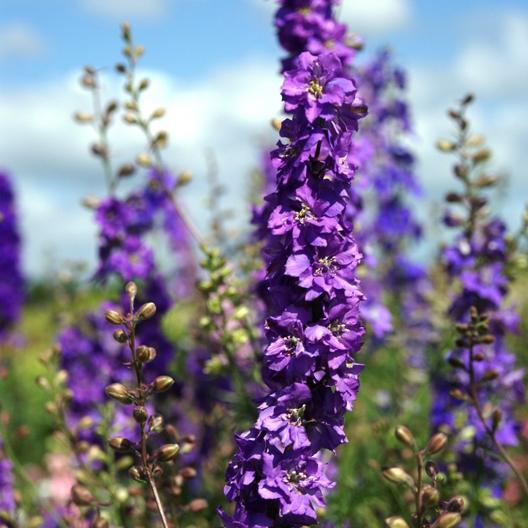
x=214, y=64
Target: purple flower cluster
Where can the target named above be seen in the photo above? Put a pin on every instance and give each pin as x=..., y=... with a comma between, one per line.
x=477, y=259
x=89, y=354
x=387, y=171
x=7, y=496
x=310, y=25
x=11, y=279
x=277, y=477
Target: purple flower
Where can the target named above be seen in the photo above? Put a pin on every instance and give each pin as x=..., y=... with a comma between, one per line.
x=11, y=278
x=7, y=496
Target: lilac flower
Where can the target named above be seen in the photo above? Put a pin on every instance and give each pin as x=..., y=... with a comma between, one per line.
x=11, y=279
x=313, y=332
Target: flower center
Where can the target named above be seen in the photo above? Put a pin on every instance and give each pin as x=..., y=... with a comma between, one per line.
x=295, y=416
x=303, y=214
x=315, y=88
x=330, y=44
x=291, y=344
x=295, y=478
x=305, y=11
x=337, y=328
x=326, y=265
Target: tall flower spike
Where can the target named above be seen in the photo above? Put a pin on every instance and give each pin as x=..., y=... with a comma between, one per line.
x=483, y=382
x=276, y=477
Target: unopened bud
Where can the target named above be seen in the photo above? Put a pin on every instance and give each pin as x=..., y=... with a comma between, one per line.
x=448, y=520
x=120, y=444
x=168, y=452
x=118, y=392
x=120, y=336
x=83, y=117
x=136, y=474
x=144, y=84
x=131, y=289
x=445, y=145
x=436, y=443
x=188, y=472
x=430, y=468
x=404, y=435
x=456, y=504
x=144, y=160
x=140, y=414
x=398, y=476
x=158, y=113
x=146, y=311
x=114, y=317
x=481, y=156
x=131, y=119
x=430, y=495
x=489, y=375
x=156, y=423
x=127, y=169
x=146, y=354
x=184, y=177
x=81, y=496
x=496, y=418
x=125, y=30
x=100, y=523
x=396, y=522
x=197, y=505
x=162, y=383
x=276, y=123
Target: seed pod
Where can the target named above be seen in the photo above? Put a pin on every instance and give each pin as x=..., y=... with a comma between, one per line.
x=162, y=383
x=398, y=476
x=396, y=522
x=120, y=336
x=114, y=317
x=81, y=496
x=448, y=520
x=140, y=414
x=168, y=452
x=436, y=443
x=404, y=435
x=120, y=444
x=118, y=392
x=146, y=311
x=197, y=505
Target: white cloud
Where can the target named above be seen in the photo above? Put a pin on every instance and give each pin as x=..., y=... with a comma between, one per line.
x=498, y=66
x=375, y=16
x=46, y=152
x=124, y=9
x=19, y=40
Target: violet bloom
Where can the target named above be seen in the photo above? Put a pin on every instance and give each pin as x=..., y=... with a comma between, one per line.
x=276, y=477
x=11, y=279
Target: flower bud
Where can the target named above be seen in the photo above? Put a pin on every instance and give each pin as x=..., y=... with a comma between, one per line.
x=496, y=418
x=448, y=520
x=127, y=169
x=145, y=353
x=81, y=496
x=162, y=383
x=184, y=177
x=144, y=84
x=404, y=435
x=168, y=452
x=430, y=495
x=99, y=522
x=188, y=472
x=431, y=469
x=158, y=113
x=120, y=444
x=481, y=156
x=456, y=504
x=136, y=474
x=436, y=443
x=445, y=145
x=120, y=336
x=156, y=423
x=140, y=414
x=396, y=522
x=131, y=289
x=398, y=476
x=276, y=123
x=146, y=311
x=118, y=392
x=83, y=117
x=197, y=505
x=114, y=317
x=144, y=160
